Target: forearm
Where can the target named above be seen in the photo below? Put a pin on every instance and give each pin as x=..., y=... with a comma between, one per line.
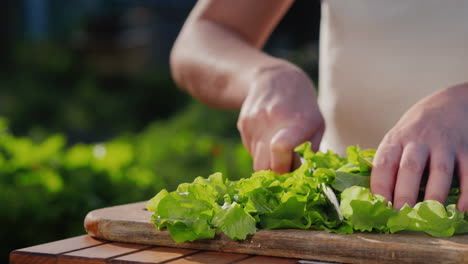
x=217, y=54
x=215, y=65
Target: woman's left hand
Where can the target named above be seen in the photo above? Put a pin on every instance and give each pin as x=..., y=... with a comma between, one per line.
x=434, y=132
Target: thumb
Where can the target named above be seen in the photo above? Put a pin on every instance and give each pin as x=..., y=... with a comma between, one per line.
x=283, y=143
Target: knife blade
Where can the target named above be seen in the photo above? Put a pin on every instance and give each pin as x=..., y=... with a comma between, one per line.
x=330, y=194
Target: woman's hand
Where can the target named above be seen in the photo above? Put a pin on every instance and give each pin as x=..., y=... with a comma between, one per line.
x=434, y=132
x=279, y=112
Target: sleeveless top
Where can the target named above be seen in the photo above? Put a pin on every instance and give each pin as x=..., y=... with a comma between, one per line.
x=380, y=57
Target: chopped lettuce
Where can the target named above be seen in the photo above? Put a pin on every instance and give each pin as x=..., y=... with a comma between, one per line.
x=344, y=180
x=234, y=221
x=430, y=217
x=300, y=199
x=365, y=212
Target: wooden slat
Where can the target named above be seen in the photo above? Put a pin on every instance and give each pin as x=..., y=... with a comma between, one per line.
x=267, y=260
x=99, y=254
x=130, y=223
x=209, y=257
x=47, y=253
x=153, y=255
x=316, y=262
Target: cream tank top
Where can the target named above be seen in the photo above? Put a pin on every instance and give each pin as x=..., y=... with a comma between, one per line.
x=380, y=57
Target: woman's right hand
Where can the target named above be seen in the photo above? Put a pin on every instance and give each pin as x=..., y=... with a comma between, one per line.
x=279, y=112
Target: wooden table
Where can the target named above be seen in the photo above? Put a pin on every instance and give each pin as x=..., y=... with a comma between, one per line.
x=85, y=249
x=130, y=224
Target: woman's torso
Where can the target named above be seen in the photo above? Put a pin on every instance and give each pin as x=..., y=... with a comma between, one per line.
x=379, y=57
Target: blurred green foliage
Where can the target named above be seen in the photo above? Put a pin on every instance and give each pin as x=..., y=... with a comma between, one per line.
x=66, y=149
x=48, y=88
x=47, y=187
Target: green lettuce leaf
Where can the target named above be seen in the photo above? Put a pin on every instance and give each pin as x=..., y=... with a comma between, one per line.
x=328, y=160
x=186, y=219
x=262, y=200
x=365, y=211
x=361, y=158
x=289, y=214
x=345, y=180
x=234, y=222
x=430, y=217
x=186, y=229
x=152, y=205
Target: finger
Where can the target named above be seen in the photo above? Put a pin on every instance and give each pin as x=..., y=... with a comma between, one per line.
x=317, y=138
x=412, y=164
x=245, y=136
x=462, y=162
x=442, y=164
x=296, y=161
x=384, y=169
x=247, y=144
x=315, y=142
x=262, y=156
x=253, y=147
x=282, y=145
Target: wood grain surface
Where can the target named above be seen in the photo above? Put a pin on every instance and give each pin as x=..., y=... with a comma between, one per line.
x=267, y=260
x=210, y=257
x=131, y=223
x=87, y=250
x=47, y=253
x=99, y=254
x=154, y=255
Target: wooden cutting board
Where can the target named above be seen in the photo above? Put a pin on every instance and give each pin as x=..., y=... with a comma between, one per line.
x=131, y=223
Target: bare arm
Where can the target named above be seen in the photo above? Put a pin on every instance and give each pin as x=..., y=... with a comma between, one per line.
x=217, y=59
x=217, y=55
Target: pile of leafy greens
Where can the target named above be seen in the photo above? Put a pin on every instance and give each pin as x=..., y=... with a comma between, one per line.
x=298, y=200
